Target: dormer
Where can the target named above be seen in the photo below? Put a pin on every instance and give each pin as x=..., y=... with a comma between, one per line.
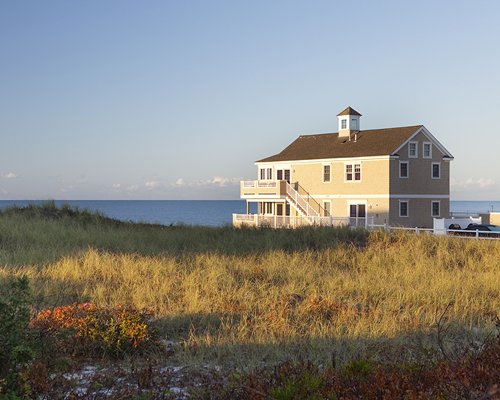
x=348, y=122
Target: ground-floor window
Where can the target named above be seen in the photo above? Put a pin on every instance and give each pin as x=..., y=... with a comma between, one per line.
x=326, y=208
x=357, y=210
x=403, y=208
x=435, y=207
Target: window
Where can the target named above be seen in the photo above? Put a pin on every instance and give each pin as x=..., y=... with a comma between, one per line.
x=262, y=173
x=326, y=173
x=268, y=208
x=436, y=170
x=348, y=172
x=403, y=208
x=403, y=169
x=357, y=172
x=269, y=173
x=354, y=124
x=349, y=169
x=413, y=150
x=427, y=153
x=326, y=208
x=343, y=124
x=279, y=174
x=435, y=205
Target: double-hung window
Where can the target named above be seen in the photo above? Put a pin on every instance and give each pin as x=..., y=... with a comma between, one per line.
x=413, y=150
x=326, y=173
x=403, y=169
x=353, y=172
x=343, y=124
x=436, y=170
x=427, y=150
x=269, y=174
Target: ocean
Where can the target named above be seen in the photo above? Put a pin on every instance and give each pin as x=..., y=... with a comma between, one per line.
x=197, y=212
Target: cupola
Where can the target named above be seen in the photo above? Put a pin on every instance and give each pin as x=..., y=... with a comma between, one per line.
x=348, y=122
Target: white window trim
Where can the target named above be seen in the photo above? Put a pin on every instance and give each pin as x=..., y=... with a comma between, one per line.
x=407, y=208
x=407, y=169
x=432, y=203
x=323, y=172
x=353, y=172
x=416, y=149
x=423, y=149
x=432, y=170
x=265, y=208
x=265, y=168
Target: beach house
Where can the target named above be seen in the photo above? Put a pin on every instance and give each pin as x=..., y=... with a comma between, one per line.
x=395, y=176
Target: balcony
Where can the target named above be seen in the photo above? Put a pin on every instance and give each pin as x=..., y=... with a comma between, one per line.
x=262, y=189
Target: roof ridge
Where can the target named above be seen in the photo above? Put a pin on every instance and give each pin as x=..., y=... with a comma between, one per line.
x=364, y=130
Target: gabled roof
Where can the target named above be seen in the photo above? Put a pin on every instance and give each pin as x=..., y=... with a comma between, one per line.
x=369, y=143
x=349, y=111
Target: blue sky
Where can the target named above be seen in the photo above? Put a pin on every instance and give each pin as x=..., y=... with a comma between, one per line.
x=176, y=99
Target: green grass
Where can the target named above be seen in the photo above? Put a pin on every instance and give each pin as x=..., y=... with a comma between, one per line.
x=246, y=297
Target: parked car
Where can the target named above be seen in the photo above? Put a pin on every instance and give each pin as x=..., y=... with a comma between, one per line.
x=484, y=229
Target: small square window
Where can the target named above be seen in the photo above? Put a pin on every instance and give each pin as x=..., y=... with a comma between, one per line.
x=403, y=208
x=436, y=170
x=403, y=169
x=344, y=124
x=435, y=209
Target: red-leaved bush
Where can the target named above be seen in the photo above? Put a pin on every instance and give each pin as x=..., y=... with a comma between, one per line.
x=87, y=329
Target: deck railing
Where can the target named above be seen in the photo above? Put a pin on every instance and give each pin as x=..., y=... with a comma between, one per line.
x=282, y=221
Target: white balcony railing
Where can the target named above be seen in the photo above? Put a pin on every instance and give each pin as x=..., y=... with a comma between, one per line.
x=259, y=184
x=281, y=221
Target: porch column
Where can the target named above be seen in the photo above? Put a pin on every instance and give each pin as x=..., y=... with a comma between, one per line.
x=248, y=208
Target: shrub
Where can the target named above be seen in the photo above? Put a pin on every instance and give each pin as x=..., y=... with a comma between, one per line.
x=87, y=329
x=16, y=349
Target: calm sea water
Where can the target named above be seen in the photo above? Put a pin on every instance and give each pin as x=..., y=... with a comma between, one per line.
x=197, y=212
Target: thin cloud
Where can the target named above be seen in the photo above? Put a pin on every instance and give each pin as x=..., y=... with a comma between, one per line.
x=150, y=185
x=180, y=182
x=9, y=175
x=116, y=185
x=481, y=183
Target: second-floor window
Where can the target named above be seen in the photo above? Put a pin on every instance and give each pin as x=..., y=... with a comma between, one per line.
x=353, y=172
x=326, y=173
x=427, y=151
x=403, y=169
x=413, y=149
x=266, y=173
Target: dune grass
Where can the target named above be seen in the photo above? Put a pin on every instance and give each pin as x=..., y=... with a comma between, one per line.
x=249, y=297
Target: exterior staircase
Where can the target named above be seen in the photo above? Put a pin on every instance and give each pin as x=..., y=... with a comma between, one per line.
x=301, y=204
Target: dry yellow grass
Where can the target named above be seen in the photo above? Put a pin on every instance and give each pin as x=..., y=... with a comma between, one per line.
x=248, y=309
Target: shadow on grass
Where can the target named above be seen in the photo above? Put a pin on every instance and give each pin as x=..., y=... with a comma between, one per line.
x=37, y=235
